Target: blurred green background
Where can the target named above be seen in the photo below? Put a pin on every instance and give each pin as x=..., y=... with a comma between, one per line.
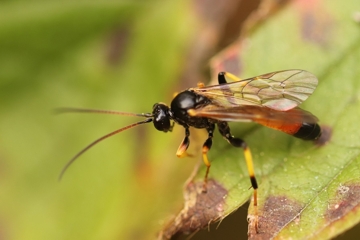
x=120, y=55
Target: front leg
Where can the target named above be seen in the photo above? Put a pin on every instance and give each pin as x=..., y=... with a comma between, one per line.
x=181, y=152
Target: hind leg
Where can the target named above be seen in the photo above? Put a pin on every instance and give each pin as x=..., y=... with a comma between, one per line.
x=224, y=130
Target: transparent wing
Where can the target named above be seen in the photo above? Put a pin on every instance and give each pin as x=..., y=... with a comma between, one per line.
x=262, y=115
x=282, y=90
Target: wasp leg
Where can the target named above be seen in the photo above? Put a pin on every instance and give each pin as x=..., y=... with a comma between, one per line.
x=181, y=152
x=222, y=79
x=224, y=130
x=172, y=127
x=206, y=147
x=200, y=85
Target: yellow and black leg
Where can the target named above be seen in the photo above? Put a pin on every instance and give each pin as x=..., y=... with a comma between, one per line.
x=224, y=130
x=222, y=77
x=206, y=147
x=181, y=152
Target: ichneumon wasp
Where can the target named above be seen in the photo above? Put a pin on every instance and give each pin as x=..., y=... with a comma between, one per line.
x=270, y=100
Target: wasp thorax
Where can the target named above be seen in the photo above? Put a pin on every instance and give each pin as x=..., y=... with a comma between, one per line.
x=184, y=101
x=161, y=117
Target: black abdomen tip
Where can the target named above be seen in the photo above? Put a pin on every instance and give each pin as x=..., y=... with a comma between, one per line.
x=308, y=131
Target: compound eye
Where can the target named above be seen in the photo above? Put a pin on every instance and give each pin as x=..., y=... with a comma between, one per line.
x=161, y=118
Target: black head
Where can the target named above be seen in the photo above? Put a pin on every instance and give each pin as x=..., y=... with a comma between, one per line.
x=161, y=117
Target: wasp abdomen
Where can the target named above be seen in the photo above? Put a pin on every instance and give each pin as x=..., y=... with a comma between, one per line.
x=308, y=131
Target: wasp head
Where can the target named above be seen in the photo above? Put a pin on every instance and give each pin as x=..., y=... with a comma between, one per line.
x=161, y=117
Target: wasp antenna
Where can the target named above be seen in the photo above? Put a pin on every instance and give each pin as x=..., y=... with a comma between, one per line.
x=99, y=140
x=85, y=110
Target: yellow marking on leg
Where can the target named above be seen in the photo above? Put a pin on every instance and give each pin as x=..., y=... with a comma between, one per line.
x=249, y=162
x=208, y=165
x=232, y=77
x=181, y=152
x=184, y=154
x=250, y=167
x=205, y=158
